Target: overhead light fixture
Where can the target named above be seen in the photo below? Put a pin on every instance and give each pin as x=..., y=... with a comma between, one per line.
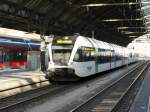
x=145, y=7
x=146, y=16
x=148, y=22
x=114, y=4
x=131, y=27
x=115, y=20
x=124, y=28
x=128, y=32
x=131, y=36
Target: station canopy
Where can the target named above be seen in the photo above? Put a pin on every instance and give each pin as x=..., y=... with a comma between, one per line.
x=115, y=21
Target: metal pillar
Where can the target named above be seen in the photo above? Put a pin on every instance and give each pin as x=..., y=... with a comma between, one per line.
x=43, y=50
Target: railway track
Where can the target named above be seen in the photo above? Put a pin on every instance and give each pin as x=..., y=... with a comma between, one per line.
x=7, y=104
x=110, y=98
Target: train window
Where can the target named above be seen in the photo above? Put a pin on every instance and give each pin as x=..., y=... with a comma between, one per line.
x=78, y=55
x=104, y=55
x=1, y=56
x=93, y=55
x=84, y=54
x=89, y=54
x=61, y=56
x=130, y=55
x=6, y=57
x=113, y=58
x=18, y=55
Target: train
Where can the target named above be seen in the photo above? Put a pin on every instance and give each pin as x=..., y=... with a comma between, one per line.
x=15, y=54
x=74, y=57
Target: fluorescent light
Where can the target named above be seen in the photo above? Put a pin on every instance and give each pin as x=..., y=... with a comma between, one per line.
x=115, y=20
x=114, y=4
x=132, y=36
x=123, y=28
x=128, y=32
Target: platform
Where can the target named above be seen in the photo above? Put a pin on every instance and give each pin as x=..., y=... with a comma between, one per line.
x=142, y=100
x=16, y=81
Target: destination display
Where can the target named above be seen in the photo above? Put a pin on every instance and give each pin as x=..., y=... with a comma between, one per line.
x=64, y=41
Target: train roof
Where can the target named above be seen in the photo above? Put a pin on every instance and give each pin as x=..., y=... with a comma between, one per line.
x=102, y=44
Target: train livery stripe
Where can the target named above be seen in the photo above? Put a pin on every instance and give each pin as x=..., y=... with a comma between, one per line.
x=17, y=64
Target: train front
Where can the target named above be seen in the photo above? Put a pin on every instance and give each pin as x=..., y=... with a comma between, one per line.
x=60, y=52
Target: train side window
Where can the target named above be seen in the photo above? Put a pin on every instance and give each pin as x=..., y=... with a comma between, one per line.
x=84, y=54
x=88, y=54
x=18, y=55
x=1, y=56
x=78, y=55
x=113, y=56
x=130, y=55
x=104, y=56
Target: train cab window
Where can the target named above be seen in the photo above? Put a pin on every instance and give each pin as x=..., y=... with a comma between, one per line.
x=61, y=54
x=61, y=49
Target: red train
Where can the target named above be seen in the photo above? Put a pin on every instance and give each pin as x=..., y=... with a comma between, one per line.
x=14, y=54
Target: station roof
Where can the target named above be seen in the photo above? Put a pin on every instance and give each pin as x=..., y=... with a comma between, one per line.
x=115, y=21
x=16, y=34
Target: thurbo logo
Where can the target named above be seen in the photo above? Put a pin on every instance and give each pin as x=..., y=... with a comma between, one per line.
x=89, y=68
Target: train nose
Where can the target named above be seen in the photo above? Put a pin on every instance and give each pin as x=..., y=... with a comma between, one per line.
x=63, y=72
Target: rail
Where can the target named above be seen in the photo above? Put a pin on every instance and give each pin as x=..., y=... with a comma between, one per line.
x=108, y=99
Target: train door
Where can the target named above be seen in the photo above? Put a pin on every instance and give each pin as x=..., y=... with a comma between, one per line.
x=96, y=60
x=6, y=58
x=1, y=59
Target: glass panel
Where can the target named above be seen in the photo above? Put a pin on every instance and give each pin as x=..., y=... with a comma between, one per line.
x=1, y=56
x=6, y=57
x=84, y=54
x=18, y=55
x=61, y=54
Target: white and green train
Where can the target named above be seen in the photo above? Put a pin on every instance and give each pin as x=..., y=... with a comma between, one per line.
x=75, y=57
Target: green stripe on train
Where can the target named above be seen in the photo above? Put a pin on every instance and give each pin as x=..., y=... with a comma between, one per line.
x=96, y=62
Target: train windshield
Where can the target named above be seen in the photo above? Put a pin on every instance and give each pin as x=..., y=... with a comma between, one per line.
x=61, y=54
x=61, y=49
